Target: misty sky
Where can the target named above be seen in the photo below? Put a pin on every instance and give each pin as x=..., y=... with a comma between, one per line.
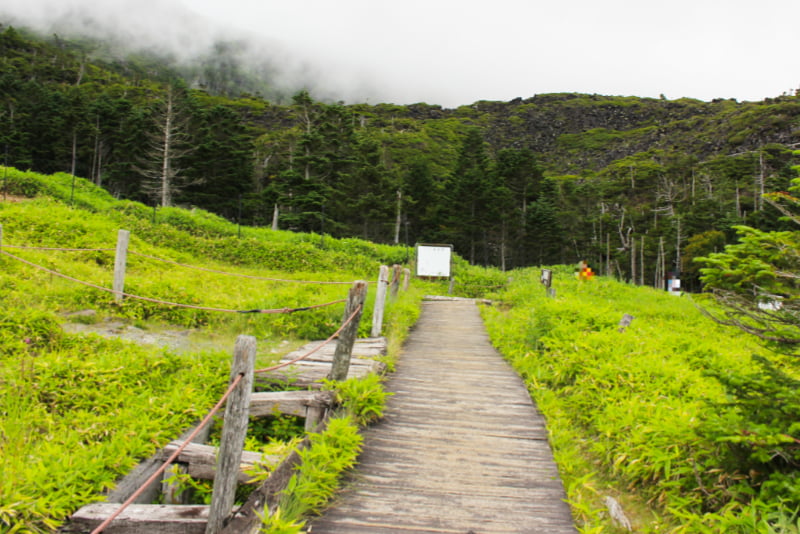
x=454, y=52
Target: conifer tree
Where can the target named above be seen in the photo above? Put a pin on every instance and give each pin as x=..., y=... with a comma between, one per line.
x=756, y=280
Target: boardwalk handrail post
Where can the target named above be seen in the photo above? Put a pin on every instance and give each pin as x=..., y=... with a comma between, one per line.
x=347, y=337
x=395, y=279
x=406, y=278
x=237, y=412
x=120, y=260
x=380, y=301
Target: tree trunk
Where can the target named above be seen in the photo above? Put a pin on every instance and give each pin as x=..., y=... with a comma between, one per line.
x=399, y=219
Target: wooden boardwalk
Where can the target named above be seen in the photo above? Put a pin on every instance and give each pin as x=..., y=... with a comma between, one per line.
x=461, y=449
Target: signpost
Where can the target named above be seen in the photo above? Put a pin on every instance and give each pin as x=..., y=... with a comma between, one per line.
x=434, y=260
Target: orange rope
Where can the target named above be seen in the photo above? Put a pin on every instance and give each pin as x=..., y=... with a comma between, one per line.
x=252, y=277
x=164, y=302
x=172, y=457
x=61, y=249
x=315, y=349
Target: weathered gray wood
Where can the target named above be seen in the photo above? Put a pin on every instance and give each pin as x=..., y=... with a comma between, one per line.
x=380, y=301
x=313, y=417
x=289, y=402
x=406, y=278
x=134, y=480
x=461, y=446
x=138, y=518
x=120, y=261
x=347, y=337
x=309, y=372
x=237, y=411
x=267, y=496
x=200, y=460
x=395, y=285
x=171, y=490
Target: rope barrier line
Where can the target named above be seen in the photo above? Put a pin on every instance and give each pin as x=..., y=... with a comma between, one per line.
x=205, y=421
x=252, y=277
x=61, y=249
x=164, y=302
x=172, y=457
x=315, y=349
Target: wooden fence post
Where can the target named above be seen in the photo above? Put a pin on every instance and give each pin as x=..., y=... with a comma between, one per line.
x=344, y=347
x=395, y=279
x=406, y=278
x=380, y=301
x=237, y=412
x=120, y=260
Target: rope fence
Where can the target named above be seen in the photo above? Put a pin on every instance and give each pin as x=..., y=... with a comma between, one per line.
x=172, y=457
x=240, y=275
x=355, y=300
x=59, y=249
x=315, y=349
x=179, y=264
x=164, y=302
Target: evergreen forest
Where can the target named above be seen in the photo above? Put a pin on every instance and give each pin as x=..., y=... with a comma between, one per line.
x=637, y=187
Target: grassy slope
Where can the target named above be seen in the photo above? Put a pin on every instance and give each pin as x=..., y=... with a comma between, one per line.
x=77, y=412
x=630, y=413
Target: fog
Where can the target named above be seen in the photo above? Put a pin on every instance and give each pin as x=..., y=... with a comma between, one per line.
x=455, y=53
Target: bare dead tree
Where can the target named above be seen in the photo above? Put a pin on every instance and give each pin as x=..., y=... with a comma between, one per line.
x=168, y=143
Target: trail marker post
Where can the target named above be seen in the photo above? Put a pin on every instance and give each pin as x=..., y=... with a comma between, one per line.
x=395, y=285
x=380, y=301
x=237, y=414
x=120, y=260
x=347, y=337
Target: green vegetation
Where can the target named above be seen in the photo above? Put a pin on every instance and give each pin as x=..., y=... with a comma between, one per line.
x=650, y=175
x=692, y=426
x=80, y=411
x=672, y=416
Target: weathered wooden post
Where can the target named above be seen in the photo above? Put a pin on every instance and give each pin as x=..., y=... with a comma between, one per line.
x=237, y=412
x=380, y=301
x=120, y=260
x=344, y=347
x=406, y=278
x=395, y=279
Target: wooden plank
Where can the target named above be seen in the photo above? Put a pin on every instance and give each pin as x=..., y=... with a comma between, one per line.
x=134, y=480
x=267, y=495
x=461, y=448
x=201, y=460
x=288, y=402
x=138, y=518
x=309, y=372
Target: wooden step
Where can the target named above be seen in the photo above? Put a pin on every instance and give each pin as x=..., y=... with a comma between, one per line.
x=138, y=518
x=201, y=460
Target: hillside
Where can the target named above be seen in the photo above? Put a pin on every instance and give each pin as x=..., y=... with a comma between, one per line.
x=80, y=411
x=637, y=187
x=689, y=424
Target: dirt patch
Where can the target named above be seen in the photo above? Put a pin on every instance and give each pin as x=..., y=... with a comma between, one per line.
x=13, y=198
x=176, y=339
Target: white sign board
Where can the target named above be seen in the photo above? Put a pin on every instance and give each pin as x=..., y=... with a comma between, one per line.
x=434, y=260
